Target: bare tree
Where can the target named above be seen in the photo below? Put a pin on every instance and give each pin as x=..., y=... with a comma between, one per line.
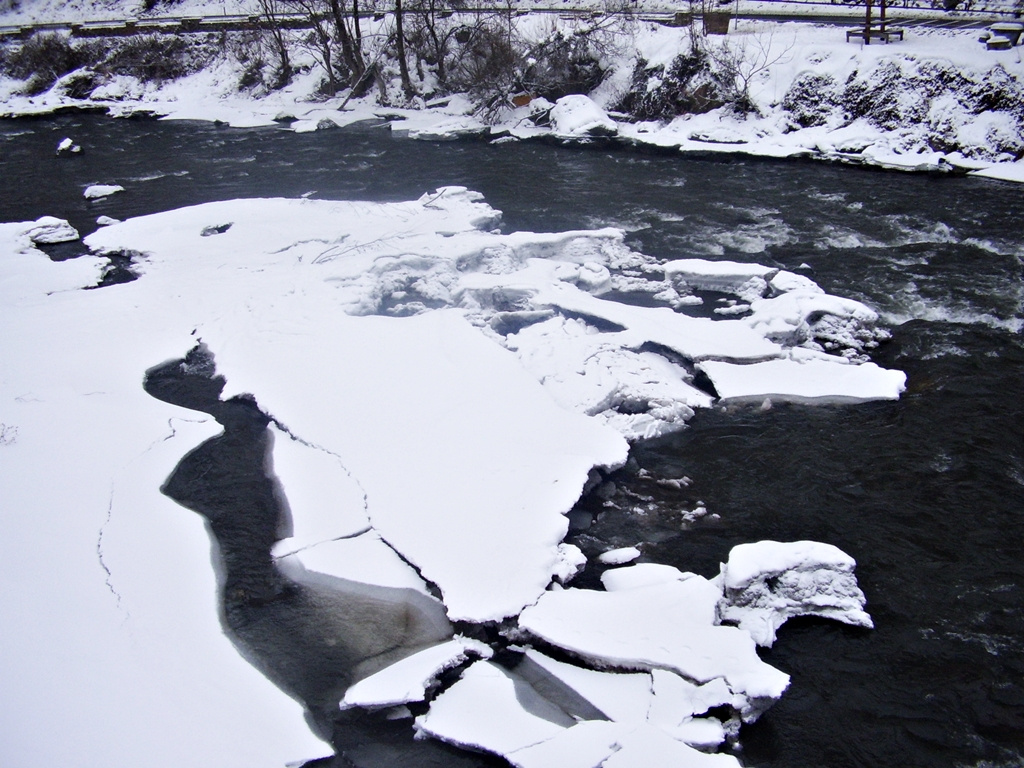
x=271, y=10
x=320, y=40
x=403, y=64
x=740, y=60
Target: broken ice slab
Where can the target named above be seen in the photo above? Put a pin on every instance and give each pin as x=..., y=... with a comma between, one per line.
x=672, y=625
x=409, y=680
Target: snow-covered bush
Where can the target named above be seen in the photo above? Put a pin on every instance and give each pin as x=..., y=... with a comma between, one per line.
x=562, y=65
x=885, y=96
x=43, y=59
x=155, y=58
x=686, y=86
x=486, y=62
x=978, y=114
x=811, y=99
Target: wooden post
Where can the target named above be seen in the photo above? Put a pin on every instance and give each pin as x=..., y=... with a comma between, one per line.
x=867, y=22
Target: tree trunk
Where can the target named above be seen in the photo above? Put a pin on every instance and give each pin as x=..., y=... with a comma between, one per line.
x=352, y=57
x=403, y=65
x=358, y=28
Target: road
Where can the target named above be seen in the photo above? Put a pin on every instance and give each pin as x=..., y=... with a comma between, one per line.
x=821, y=13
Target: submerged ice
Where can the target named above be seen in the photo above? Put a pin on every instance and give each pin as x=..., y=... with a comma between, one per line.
x=439, y=393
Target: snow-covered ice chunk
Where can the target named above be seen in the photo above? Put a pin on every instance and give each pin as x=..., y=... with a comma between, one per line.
x=671, y=625
x=95, y=191
x=822, y=378
x=577, y=116
x=641, y=575
x=749, y=281
x=677, y=704
x=408, y=680
x=768, y=582
x=106, y=221
x=619, y=556
x=47, y=230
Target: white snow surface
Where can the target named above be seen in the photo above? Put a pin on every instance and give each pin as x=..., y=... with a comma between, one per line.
x=483, y=710
x=281, y=332
x=110, y=603
x=767, y=582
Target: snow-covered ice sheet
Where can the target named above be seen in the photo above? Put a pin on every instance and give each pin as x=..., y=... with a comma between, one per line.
x=390, y=343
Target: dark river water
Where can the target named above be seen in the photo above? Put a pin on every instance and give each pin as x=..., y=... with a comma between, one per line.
x=927, y=493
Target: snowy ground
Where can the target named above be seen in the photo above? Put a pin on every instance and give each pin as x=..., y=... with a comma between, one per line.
x=391, y=343
x=918, y=126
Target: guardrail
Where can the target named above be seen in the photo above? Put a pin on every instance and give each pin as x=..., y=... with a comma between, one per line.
x=234, y=23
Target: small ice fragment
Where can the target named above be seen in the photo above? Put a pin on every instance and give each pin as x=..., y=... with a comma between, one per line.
x=619, y=556
x=106, y=221
x=95, y=191
x=67, y=146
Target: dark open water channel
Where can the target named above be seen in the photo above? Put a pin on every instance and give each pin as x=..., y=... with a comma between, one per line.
x=926, y=493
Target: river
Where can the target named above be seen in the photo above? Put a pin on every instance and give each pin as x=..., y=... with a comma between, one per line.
x=927, y=493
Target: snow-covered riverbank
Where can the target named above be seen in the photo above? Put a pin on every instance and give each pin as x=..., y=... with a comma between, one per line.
x=938, y=100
